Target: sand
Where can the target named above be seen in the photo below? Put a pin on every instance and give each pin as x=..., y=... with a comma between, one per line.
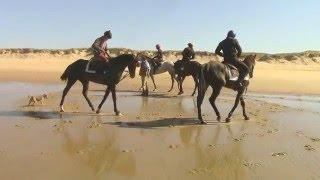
x=268, y=77
x=158, y=137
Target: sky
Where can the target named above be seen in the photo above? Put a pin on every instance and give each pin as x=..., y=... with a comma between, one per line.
x=270, y=26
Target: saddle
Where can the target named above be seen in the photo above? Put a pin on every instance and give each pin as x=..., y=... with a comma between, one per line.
x=97, y=67
x=156, y=64
x=233, y=72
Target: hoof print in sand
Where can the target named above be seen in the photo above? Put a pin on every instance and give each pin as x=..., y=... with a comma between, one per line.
x=278, y=154
x=309, y=148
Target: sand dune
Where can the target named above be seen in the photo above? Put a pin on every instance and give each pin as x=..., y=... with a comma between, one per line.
x=304, y=58
x=278, y=73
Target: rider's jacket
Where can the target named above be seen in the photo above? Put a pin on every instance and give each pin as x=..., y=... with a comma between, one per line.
x=188, y=53
x=230, y=47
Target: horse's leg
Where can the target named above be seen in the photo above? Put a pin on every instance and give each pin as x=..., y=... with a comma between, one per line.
x=143, y=78
x=114, y=98
x=215, y=93
x=172, y=82
x=195, y=78
x=70, y=83
x=85, y=85
x=236, y=103
x=106, y=94
x=200, y=97
x=154, y=84
x=181, y=81
x=243, y=104
x=178, y=79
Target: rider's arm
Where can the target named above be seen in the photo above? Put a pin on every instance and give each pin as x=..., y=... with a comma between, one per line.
x=238, y=47
x=107, y=54
x=192, y=54
x=96, y=45
x=218, y=50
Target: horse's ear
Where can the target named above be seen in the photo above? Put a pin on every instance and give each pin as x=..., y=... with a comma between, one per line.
x=254, y=56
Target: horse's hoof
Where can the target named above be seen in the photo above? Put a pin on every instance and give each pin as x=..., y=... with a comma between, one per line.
x=219, y=118
x=203, y=122
x=61, y=109
x=180, y=93
x=98, y=111
x=228, y=120
x=155, y=90
x=119, y=114
x=246, y=118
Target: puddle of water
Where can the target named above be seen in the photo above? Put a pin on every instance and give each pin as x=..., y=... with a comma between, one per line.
x=301, y=102
x=108, y=147
x=13, y=91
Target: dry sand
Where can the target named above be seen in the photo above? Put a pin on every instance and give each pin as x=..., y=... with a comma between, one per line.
x=273, y=77
x=159, y=137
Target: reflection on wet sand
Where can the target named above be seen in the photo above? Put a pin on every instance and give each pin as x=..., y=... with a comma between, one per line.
x=158, y=138
x=97, y=149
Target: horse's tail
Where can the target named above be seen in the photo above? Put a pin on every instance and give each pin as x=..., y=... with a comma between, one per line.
x=66, y=73
x=70, y=70
x=202, y=81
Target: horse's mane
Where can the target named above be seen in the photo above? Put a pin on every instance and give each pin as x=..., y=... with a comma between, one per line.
x=144, y=56
x=121, y=57
x=250, y=59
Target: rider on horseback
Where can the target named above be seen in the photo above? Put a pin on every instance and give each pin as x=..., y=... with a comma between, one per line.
x=188, y=53
x=158, y=58
x=100, y=48
x=231, y=51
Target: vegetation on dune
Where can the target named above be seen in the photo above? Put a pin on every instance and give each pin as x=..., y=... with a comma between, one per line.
x=306, y=56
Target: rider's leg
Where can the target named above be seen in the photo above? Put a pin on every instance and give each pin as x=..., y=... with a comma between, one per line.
x=243, y=69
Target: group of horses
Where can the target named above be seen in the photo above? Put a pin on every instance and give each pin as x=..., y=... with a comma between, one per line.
x=213, y=73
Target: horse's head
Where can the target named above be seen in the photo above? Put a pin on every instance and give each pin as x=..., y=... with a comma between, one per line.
x=134, y=62
x=250, y=62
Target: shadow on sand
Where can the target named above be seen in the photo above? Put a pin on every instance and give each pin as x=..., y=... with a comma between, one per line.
x=48, y=114
x=165, y=122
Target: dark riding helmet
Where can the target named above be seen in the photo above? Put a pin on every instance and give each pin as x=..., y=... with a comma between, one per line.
x=190, y=45
x=158, y=46
x=231, y=34
x=108, y=34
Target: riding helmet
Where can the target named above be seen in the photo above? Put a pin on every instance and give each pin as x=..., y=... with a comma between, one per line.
x=108, y=34
x=231, y=34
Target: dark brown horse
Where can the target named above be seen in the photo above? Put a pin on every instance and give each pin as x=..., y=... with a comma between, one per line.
x=187, y=68
x=215, y=75
x=76, y=71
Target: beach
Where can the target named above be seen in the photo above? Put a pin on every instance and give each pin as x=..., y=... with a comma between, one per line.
x=159, y=137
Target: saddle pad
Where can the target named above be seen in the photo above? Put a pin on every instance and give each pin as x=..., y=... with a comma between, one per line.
x=233, y=73
x=97, y=67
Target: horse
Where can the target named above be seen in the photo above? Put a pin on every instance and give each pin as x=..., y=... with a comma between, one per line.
x=187, y=68
x=77, y=71
x=215, y=74
x=166, y=66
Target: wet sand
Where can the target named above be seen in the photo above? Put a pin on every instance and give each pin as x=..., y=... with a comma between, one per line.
x=158, y=138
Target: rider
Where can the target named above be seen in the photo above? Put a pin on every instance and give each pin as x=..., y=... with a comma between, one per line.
x=188, y=53
x=100, y=48
x=158, y=58
x=231, y=51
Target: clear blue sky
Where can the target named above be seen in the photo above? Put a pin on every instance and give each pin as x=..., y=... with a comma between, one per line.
x=261, y=26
